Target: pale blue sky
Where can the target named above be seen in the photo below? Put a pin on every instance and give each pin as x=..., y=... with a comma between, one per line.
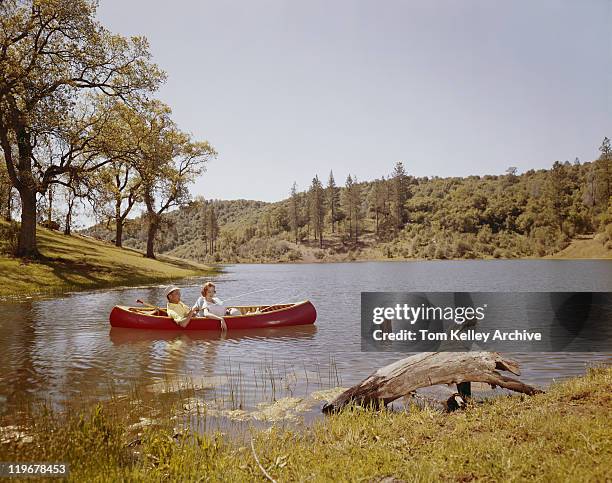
x=285, y=90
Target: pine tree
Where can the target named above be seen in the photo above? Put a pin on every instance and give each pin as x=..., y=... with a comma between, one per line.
x=604, y=173
x=317, y=208
x=213, y=228
x=294, y=216
x=376, y=202
x=333, y=200
x=352, y=206
x=203, y=229
x=357, y=211
x=305, y=214
x=399, y=186
x=558, y=191
x=348, y=202
x=589, y=196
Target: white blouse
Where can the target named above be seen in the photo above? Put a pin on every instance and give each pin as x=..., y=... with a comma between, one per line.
x=215, y=307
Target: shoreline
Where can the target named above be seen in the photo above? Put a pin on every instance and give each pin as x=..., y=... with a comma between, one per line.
x=395, y=260
x=81, y=263
x=568, y=253
x=213, y=271
x=559, y=435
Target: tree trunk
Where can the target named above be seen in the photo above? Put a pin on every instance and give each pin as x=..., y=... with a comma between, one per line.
x=429, y=369
x=26, y=186
x=377, y=234
x=332, y=209
x=118, y=232
x=26, y=246
x=153, y=221
x=350, y=218
x=68, y=223
x=9, y=205
x=118, y=223
x=151, y=232
x=50, y=212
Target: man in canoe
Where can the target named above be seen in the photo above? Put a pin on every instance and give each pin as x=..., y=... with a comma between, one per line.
x=176, y=309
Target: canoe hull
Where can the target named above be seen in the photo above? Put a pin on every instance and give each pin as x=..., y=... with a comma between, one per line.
x=302, y=313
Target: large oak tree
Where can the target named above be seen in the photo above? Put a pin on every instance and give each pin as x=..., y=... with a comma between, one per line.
x=51, y=51
x=168, y=160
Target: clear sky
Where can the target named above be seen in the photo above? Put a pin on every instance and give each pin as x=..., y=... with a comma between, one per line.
x=285, y=90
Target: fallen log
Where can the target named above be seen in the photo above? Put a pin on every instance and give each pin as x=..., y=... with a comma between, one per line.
x=429, y=369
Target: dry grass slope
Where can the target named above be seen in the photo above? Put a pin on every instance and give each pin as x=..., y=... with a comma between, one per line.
x=585, y=247
x=78, y=262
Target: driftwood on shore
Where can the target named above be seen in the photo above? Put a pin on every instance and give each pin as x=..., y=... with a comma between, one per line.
x=429, y=369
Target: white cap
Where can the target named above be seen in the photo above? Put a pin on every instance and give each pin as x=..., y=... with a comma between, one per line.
x=170, y=289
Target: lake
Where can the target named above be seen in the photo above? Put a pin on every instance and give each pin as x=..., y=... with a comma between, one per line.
x=61, y=349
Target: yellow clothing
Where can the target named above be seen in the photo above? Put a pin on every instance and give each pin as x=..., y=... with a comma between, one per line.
x=178, y=312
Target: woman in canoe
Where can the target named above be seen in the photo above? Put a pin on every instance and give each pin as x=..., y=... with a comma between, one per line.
x=211, y=306
x=179, y=311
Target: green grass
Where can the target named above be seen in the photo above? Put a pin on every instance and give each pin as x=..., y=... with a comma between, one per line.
x=563, y=435
x=77, y=262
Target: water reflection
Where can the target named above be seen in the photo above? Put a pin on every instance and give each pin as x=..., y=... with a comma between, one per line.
x=119, y=336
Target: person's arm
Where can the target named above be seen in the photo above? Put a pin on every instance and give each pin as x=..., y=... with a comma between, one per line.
x=180, y=320
x=209, y=315
x=199, y=305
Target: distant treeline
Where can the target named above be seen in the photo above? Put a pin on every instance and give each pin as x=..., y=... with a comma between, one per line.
x=398, y=216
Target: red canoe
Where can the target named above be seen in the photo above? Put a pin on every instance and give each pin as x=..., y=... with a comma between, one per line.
x=254, y=317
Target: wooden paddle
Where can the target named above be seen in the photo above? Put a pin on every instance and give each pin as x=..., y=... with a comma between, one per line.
x=148, y=304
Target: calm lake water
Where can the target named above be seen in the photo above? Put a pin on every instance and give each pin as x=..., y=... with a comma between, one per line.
x=60, y=349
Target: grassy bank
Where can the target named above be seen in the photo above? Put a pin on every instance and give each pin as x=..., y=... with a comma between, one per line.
x=563, y=435
x=585, y=247
x=77, y=262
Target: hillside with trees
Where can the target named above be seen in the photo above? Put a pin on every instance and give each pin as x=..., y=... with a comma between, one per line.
x=398, y=216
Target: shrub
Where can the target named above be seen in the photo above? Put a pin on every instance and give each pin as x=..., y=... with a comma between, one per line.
x=429, y=251
x=607, y=233
x=50, y=224
x=294, y=255
x=442, y=252
x=486, y=249
x=485, y=235
x=9, y=237
x=461, y=248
